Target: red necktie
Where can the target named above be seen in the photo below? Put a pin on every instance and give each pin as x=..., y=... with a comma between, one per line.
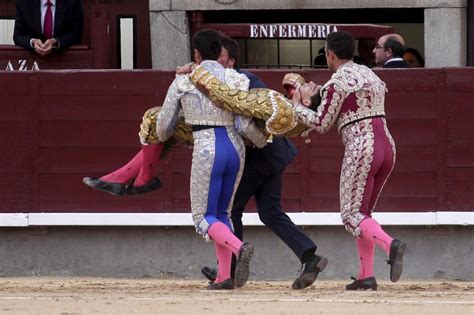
x=48, y=21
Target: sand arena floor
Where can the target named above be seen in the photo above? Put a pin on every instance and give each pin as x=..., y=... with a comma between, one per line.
x=74, y=296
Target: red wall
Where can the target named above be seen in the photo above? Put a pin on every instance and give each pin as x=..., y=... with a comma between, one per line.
x=56, y=127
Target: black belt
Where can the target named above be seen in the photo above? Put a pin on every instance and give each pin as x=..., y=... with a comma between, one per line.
x=357, y=120
x=203, y=127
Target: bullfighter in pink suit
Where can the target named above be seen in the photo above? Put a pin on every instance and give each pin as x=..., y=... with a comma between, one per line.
x=353, y=100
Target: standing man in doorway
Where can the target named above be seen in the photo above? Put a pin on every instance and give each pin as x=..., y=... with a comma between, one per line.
x=45, y=25
x=389, y=51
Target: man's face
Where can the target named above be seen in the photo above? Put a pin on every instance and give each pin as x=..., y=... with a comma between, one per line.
x=225, y=60
x=380, y=53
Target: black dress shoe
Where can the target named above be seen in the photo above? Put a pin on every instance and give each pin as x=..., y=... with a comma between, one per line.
x=309, y=272
x=209, y=273
x=242, y=267
x=224, y=285
x=363, y=284
x=115, y=189
x=397, y=249
x=153, y=184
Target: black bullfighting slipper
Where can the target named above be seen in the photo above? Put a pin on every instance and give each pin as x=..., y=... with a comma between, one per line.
x=115, y=189
x=209, y=273
x=397, y=249
x=224, y=285
x=153, y=184
x=363, y=284
x=242, y=267
x=309, y=272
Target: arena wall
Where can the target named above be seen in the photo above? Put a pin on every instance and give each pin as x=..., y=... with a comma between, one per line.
x=58, y=126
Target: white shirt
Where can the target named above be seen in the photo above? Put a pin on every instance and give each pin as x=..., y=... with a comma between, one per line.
x=393, y=59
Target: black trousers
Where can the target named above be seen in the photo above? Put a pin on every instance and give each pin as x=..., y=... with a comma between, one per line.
x=267, y=191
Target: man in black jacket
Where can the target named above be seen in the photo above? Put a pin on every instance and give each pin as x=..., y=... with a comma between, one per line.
x=44, y=25
x=262, y=178
x=389, y=51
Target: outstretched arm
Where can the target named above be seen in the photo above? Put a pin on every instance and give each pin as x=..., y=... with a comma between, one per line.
x=264, y=104
x=322, y=116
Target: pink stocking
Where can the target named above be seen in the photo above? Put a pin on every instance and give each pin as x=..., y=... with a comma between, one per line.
x=373, y=232
x=224, y=259
x=220, y=233
x=126, y=172
x=151, y=156
x=366, y=256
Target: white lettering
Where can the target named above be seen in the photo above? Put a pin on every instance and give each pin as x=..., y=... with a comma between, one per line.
x=35, y=66
x=22, y=66
x=301, y=31
x=9, y=66
x=263, y=31
x=321, y=31
x=312, y=31
x=292, y=31
x=253, y=31
x=273, y=30
x=282, y=31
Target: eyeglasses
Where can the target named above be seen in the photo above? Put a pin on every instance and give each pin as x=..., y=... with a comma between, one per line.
x=379, y=47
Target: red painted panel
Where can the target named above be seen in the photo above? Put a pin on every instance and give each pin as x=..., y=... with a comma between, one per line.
x=15, y=159
x=460, y=128
x=458, y=104
x=88, y=134
x=88, y=160
x=459, y=202
x=97, y=107
x=460, y=154
x=460, y=180
x=13, y=83
x=399, y=105
x=89, y=126
x=14, y=107
x=21, y=131
x=98, y=82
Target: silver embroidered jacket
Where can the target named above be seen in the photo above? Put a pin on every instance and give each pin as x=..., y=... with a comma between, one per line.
x=199, y=110
x=353, y=93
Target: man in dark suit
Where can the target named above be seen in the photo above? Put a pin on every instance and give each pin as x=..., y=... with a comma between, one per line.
x=389, y=51
x=44, y=25
x=262, y=178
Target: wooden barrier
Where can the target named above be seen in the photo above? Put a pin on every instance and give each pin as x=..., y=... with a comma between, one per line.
x=59, y=126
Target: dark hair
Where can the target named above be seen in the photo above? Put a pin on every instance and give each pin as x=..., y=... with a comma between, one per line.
x=417, y=55
x=320, y=61
x=208, y=43
x=397, y=48
x=342, y=44
x=232, y=47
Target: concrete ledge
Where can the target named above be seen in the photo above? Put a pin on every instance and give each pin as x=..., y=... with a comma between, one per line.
x=203, y=5
x=433, y=252
x=249, y=219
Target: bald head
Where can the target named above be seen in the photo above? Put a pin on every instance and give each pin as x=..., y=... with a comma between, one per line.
x=389, y=46
x=394, y=36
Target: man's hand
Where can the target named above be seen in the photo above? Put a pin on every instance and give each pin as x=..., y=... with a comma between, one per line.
x=38, y=47
x=48, y=45
x=185, y=69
